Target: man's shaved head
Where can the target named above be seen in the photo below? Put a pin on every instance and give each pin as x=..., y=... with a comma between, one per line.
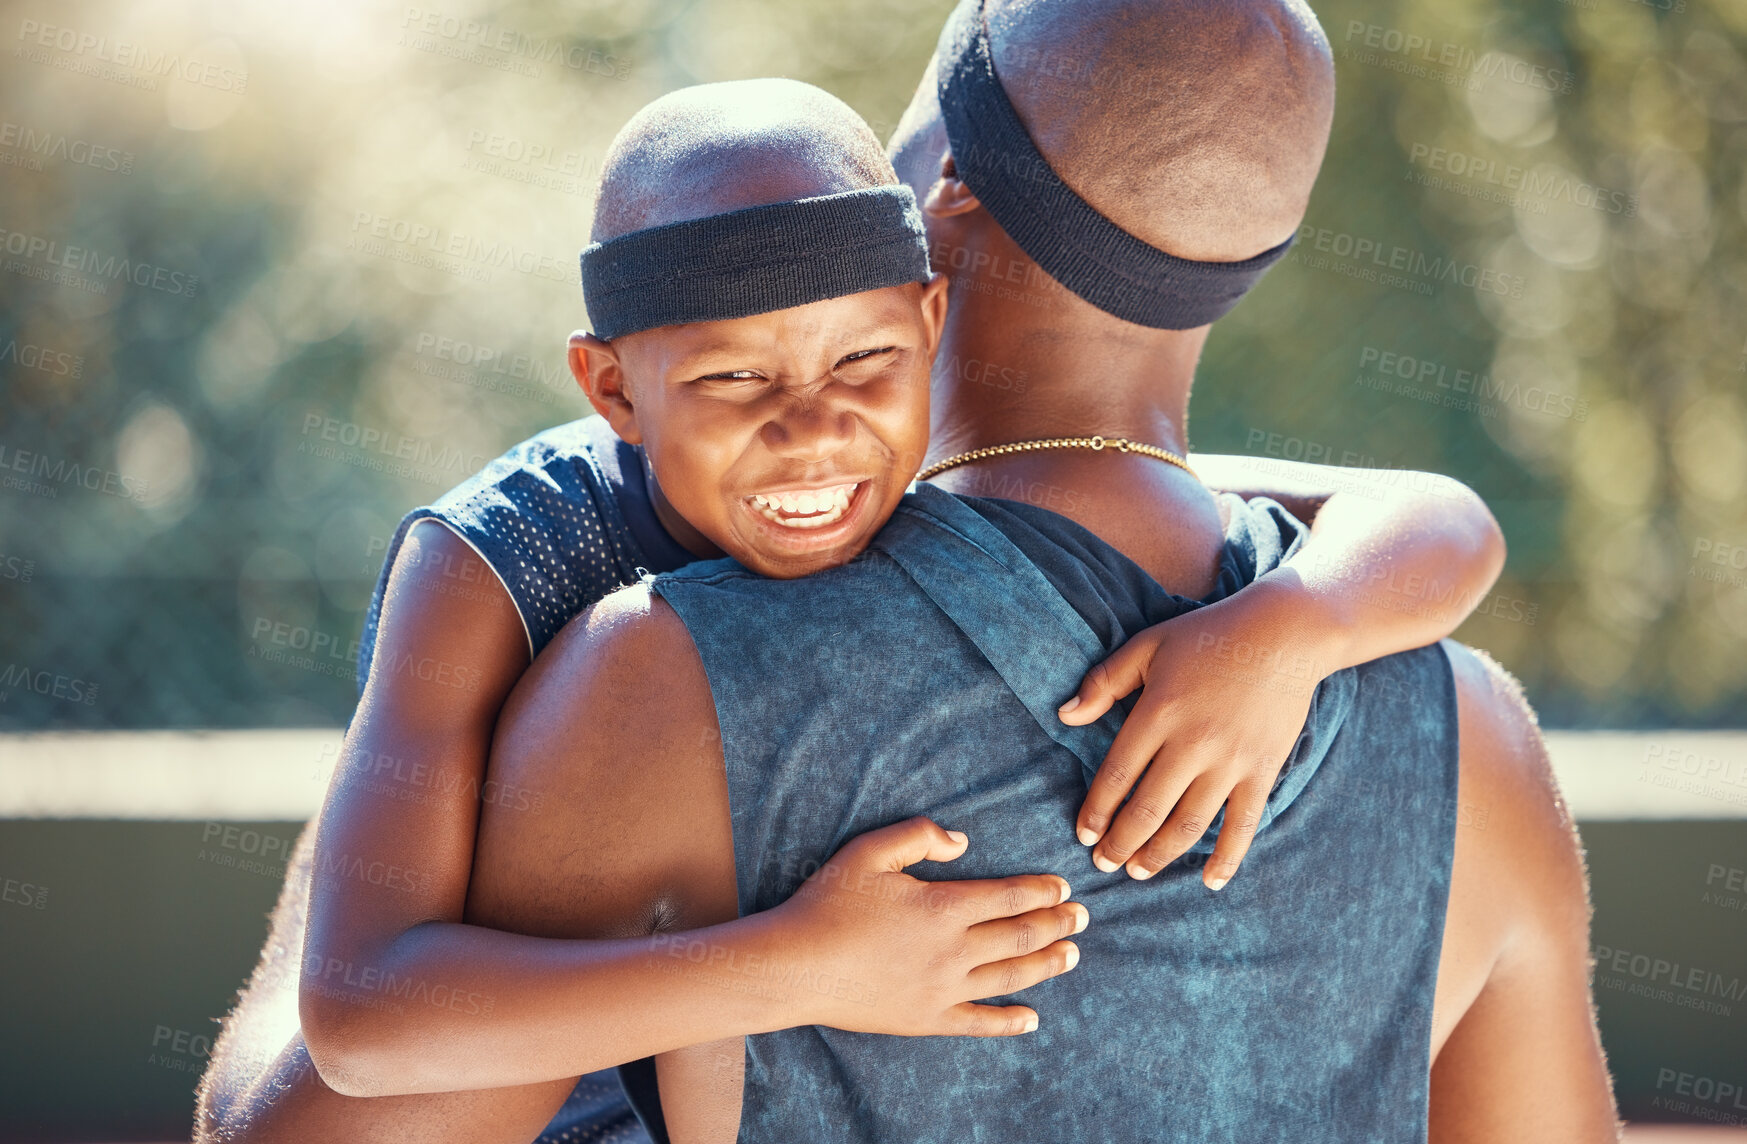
x=720, y=147
x=1196, y=125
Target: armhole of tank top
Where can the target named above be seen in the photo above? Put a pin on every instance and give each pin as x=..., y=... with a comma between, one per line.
x=527, y=634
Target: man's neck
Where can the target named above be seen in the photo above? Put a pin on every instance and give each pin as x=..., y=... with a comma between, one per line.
x=1010, y=370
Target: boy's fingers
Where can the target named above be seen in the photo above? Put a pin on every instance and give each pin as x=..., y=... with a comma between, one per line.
x=1243, y=816
x=1140, y=742
x=968, y=1020
x=1109, y=681
x=986, y=899
x=1000, y=978
x=1185, y=826
x=1026, y=933
x=1154, y=799
x=905, y=844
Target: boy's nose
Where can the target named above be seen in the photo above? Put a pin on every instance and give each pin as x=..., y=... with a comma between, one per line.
x=810, y=431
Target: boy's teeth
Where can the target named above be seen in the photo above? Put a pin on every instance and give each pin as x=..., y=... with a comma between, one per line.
x=809, y=508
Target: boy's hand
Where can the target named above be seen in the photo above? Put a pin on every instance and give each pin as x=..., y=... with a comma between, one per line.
x=894, y=954
x=1219, y=713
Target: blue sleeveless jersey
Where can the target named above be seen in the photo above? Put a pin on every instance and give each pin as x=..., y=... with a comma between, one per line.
x=922, y=678
x=563, y=519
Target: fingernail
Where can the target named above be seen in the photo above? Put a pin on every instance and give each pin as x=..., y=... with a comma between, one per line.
x=1217, y=883
x=1082, y=918
x=1073, y=955
x=1087, y=836
x=958, y=836
x=1031, y=1023
x=1067, y=892
x=1068, y=706
x=1103, y=863
x=1140, y=873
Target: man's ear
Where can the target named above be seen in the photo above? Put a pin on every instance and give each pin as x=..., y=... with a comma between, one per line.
x=949, y=196
x=595, y=364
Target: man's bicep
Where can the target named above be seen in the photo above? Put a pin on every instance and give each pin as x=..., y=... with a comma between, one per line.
x=1524, y=1059
x=619, y=825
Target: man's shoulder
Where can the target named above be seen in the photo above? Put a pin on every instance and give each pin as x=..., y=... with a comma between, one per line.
x=1509, y=794
x=629, y=630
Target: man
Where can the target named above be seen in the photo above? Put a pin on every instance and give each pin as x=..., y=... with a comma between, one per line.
x=1200, y=136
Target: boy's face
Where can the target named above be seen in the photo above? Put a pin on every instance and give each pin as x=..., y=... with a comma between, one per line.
x=786, y=439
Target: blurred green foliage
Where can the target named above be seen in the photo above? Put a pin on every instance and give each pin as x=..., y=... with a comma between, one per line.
x=274, y=274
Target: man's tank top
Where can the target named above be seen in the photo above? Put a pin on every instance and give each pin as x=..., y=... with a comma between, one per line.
x=563, y=519
x=923, y=678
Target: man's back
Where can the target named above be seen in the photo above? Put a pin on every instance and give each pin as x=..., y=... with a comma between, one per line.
x=922, y=679
x=618, y=725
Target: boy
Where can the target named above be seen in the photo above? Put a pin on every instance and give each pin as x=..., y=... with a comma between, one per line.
x=569, y=516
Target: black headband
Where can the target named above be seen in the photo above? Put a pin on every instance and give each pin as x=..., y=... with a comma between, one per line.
x=755, y=260
x=1065, y=235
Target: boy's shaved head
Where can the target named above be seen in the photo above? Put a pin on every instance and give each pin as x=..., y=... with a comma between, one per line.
x=1196, y=125
x=719, y=147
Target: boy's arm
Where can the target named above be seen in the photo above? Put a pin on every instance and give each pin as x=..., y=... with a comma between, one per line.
x=398, y=996
x=1395, y=560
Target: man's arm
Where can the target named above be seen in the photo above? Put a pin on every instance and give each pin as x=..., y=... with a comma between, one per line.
x=1516, y=1053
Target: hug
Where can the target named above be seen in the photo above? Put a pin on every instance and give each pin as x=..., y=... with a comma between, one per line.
x=871, y=803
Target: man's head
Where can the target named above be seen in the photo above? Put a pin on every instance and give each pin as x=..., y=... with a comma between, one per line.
x=1197, y=126
x=787, y=437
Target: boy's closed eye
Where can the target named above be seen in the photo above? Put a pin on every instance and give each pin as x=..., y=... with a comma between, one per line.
x=851, y=367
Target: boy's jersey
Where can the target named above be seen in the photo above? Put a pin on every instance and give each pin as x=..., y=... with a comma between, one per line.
x=563, y=519
x=922, y=678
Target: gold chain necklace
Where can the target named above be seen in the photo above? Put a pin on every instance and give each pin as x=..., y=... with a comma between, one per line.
x=1097, y=444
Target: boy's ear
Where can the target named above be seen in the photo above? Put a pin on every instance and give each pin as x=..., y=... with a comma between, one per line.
x=934, y=309
x=595, y=364
x=949, y=196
